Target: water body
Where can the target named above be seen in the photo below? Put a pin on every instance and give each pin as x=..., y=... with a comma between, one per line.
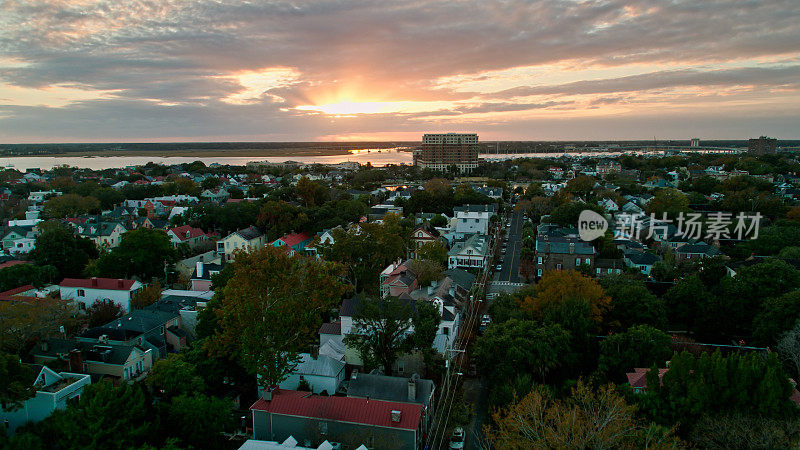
x=373, y=156
x=378, y=159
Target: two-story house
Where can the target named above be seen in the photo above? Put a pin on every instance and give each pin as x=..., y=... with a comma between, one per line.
x=246, y=239
x=562, y=252
x=103, y=234
x=187, y=235
x=472, y=253
x=294, y=242
x=474, y=219
x=87, y=291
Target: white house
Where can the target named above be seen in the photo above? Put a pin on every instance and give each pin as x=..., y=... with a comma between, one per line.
x=322, y=373
x=86, y=292
x=22, y=246
x=53, y=390
x=471, y=253
x=473, y=219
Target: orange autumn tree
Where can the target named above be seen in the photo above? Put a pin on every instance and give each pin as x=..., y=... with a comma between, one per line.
x=560, y=286
x=272, y=308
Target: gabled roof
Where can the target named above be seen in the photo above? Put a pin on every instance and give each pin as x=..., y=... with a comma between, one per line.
x=642, y=258
x=341, y=409
x=248, y=234
x=331, y=328
x=98, y=283
x=296, y=238
x=186, y=232
x=322, y=366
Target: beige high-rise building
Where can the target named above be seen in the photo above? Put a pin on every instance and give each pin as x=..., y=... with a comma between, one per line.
x=443, y=150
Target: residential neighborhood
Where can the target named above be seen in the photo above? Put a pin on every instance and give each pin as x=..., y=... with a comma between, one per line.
x=354, y=307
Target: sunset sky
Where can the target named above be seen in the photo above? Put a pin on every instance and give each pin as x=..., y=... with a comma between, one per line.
x=186, y=70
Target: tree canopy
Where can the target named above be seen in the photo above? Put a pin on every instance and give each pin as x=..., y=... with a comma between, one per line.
x=272, y=308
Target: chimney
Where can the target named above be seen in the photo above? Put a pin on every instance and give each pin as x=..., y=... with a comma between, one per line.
x=546, y=246
x=315, y=351
x=412, y=390
x=571, y=248
x=94, y=282
x=120, y=284
x=396, y=416
x=199, y=269
x=354, y=375
x=76, y=361
x=268, y=393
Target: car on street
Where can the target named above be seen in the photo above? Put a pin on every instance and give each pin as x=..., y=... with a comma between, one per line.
x=457, y=440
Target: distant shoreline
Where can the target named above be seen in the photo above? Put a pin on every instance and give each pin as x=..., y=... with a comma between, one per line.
x=199, y=153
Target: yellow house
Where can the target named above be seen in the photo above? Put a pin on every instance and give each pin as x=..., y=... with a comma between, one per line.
x=246, y=239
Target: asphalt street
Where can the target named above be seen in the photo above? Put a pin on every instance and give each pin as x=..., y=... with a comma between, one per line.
x=510, y=270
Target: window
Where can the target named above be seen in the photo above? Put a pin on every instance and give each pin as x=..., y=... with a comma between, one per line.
x=540, y=260
x=598, y=271
x=539, y=273
x=577, y=262
x=558, y=266
x=446, y=331
x=400, y=367
x=610, y=270
x=81, y=293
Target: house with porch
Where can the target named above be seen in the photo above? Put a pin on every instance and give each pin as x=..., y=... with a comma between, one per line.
x=472, y=253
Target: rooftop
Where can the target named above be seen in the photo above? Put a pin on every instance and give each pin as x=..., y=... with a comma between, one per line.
x=341, y=409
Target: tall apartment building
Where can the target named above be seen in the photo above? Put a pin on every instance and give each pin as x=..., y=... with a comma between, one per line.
x=443, y=150
x=762, y=146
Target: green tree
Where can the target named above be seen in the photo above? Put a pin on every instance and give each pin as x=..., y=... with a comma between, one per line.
x=272, y=308
x=638, y=346
x=426, y=319
x=174, y=376
x=380, y=331
x=778, y=315
x=22, y=274
x=426, y=271
x=198, y=421
x=104, y=417
x=521, y=346
x=433, y=251
x=70, y=205
x=16, y=382
x=632, y=304
x=60, y=247
x=102, y=312
x=671, y=202
x=144, y=253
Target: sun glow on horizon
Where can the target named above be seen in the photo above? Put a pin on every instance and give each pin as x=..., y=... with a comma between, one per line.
x=351, y=108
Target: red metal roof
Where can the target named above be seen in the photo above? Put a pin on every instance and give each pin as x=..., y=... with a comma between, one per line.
x=9, y=294
x=341, y=409
x=181, y=232
x=294, y=239
x=13, y=263
x=98, y=283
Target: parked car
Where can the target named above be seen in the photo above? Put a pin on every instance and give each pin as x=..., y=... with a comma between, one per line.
x=457, y=440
